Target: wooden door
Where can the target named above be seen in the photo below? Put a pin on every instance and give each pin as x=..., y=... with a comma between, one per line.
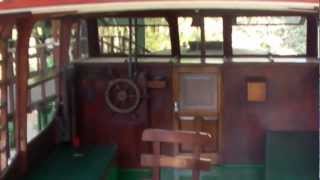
x=197, y=101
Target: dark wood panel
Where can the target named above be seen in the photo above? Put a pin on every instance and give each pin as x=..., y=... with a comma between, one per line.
x=291, y=105
x=98, y=125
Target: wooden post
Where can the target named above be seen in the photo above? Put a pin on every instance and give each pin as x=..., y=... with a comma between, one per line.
x=203, y=41
x=196, y=155
x=24, y=27
x=312, y=37
x=227, y=36
x=174, y=36
x=156, y=168
x=65, y=38
x=43, y=68
x=78, y=40
x=93, y=37
x=56, y=51
x=56, y=54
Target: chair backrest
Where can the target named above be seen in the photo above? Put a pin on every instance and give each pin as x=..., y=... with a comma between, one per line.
x=194, y=162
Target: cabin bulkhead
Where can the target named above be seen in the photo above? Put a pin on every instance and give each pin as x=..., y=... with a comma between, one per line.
x=126, y=92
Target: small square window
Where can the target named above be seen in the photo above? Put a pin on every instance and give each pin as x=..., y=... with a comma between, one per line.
x=256, y=90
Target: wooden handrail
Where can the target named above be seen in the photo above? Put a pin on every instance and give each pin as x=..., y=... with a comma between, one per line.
x=194, y=162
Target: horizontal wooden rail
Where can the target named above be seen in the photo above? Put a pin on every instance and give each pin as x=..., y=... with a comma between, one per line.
x=36, y=79
x=179, y=137
x=39, y=79
x=42, y=102
x=179, y=162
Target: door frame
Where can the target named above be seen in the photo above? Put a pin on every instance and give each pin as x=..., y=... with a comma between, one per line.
x=198, y=68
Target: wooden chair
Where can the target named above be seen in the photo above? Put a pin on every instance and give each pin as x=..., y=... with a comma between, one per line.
x=194, y=162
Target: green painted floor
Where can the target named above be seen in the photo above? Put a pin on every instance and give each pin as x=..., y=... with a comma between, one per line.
x=226, y=172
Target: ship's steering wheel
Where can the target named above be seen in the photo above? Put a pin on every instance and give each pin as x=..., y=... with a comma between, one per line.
x=122, y=95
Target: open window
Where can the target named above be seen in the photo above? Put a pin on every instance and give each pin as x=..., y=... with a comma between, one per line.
x=135, y=36
x=42, y=77
x=269, y=35
x=200, y=37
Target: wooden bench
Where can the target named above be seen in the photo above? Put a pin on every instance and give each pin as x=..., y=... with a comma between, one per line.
x=157, y=160
x=94, y=162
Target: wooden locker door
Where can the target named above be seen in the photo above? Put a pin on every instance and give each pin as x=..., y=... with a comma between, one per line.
x=197, y=101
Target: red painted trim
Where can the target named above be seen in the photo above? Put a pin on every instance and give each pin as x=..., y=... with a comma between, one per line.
x=15, y=4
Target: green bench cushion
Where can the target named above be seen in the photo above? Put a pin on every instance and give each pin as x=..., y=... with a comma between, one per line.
x=66, y=163
x=292, y=156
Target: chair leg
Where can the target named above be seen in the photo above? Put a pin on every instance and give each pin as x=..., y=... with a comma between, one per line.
x=195, y=174
x=156, y=173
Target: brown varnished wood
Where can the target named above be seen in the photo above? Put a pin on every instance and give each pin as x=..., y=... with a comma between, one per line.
x=156, y=158
x=24, y=27
x=178, y=137
x=197, y=124
x=98, y=125
x=179, y=162
x=194, y=162
x=242, y=126
x=63, y=60
x=292, y=105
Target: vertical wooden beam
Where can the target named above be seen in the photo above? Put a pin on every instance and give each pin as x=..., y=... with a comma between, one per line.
x=156, y=168
x=227, y=36
x=56, y=51
x=174, y=36
x=196, y=170
x=24, y=27
x=65, y=38
x=78, y=40
x=312, y=36
x=43, y=69
x=203, y=40
x=93, y=37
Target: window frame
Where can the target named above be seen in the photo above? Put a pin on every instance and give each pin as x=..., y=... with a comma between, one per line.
x=227, y=16
x=169, y=55
x=203, y=52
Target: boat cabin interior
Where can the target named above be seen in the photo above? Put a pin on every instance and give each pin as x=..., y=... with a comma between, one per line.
x=172, y=94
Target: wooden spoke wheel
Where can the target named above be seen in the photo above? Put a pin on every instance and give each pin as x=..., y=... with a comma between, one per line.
x=122, y=96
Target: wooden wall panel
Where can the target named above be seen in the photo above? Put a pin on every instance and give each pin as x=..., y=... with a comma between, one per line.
x=291, y=105
x=98, y=125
